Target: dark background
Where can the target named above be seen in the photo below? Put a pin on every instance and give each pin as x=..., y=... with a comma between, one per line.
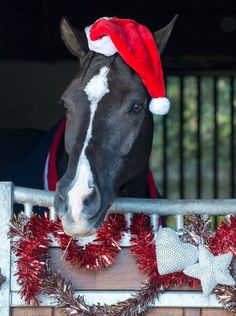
x=200, y=61
x=29, y=30
x=35, y=66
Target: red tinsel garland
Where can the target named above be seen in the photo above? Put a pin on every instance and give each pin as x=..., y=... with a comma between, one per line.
x=98, y=254
x=143, y=247
x=224, y=238
x=31, y=243
x=31, y=248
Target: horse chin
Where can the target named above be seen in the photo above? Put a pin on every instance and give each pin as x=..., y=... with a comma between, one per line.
x=72, y=228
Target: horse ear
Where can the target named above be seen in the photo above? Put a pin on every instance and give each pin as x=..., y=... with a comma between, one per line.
x=74, y=40
x=161, y=36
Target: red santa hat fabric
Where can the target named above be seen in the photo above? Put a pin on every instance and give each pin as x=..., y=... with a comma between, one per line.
x=135, y=44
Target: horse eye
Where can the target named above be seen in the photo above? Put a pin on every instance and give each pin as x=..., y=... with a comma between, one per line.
x=136, y=108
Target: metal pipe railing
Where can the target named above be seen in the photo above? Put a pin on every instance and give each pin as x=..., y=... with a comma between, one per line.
x=33, y=196
x=134, y=205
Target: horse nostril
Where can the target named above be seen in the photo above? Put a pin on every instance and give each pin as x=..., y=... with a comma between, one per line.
x=90, y=197
x=92, y=202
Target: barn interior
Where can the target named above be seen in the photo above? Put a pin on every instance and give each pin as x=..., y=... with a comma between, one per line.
x=194, y=147
x=195, y=158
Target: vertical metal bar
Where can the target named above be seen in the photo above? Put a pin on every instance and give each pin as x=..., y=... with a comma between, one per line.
x=126, y=236
x=215, y=149
x=5, y=247
x=199, y=145
x=232, y=139
x=179, y=219
x=52, y=213
x=128, y=217
x=165, y=162
x=28, y=209
x=165, y=175
x=181, y=140
x=154, y=222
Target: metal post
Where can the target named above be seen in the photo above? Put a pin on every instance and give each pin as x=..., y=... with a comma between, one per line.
x=199, y=138
x=5, y=247
x=28, y=209
x=181, y=141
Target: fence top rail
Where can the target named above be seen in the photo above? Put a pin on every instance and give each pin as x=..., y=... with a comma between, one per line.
x=133, y=205
x=33, y=196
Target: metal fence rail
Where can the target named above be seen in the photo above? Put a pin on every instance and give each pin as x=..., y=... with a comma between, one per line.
x=132, y=205
x=30, y=197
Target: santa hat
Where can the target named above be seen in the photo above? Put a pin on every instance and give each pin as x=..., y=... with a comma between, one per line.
x=135, y=44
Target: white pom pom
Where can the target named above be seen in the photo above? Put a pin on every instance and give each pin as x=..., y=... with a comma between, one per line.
x=103, y=46
x=159, y=106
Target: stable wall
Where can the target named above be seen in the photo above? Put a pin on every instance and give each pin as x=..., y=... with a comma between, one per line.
x=30, y=92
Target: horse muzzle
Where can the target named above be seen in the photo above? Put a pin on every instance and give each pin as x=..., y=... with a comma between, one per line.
x=82, y=226
x=72, y=228
x=82, y=218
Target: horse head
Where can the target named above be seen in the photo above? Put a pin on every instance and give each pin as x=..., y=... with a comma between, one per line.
x=108, y=135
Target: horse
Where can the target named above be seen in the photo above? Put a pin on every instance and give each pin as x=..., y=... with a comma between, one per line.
x=110, y=146
x=108, y=134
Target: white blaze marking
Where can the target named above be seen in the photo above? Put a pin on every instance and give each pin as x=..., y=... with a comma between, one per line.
x=95, y=89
